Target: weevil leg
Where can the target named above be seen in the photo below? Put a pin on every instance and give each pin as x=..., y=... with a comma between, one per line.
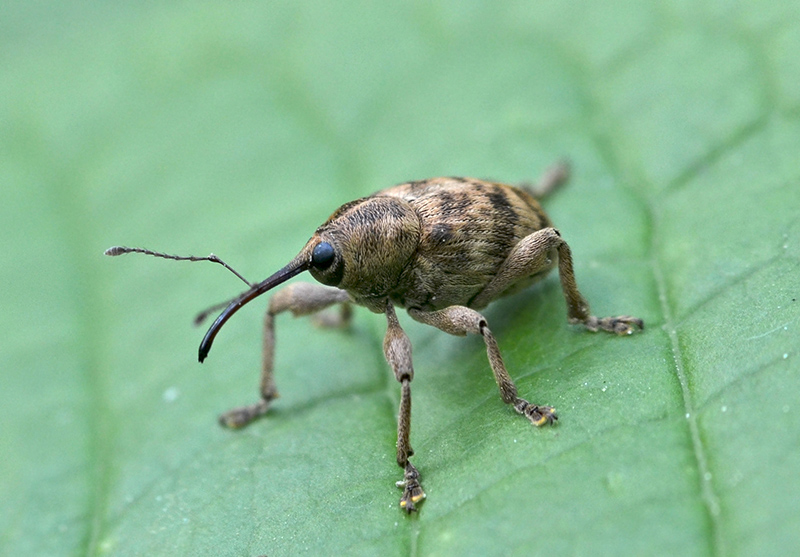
x=460, y=320
x=397, y=349
x=330, y=319
x=550, y=180
x=532, y=258
x=301, y=298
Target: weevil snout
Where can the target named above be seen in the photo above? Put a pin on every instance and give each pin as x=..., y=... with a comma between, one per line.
x=297, y=266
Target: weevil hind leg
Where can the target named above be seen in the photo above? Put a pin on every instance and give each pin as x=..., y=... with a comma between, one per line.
x=551, y=179
x=301, y=298
x=397, y=349
x=460, y=320
x=535, y=255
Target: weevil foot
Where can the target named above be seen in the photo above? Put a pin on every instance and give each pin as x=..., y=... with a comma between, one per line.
x=538, y=415
x=240, y=417
x=412, y=490
x=621, y=325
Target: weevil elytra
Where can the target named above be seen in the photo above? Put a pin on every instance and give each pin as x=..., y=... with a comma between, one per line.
x=442, y=249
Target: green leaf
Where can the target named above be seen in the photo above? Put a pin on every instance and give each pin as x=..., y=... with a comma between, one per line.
x=237, y=129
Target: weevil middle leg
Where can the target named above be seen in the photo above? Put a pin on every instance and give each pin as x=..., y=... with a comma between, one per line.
x=460, y=320
x=301, y=298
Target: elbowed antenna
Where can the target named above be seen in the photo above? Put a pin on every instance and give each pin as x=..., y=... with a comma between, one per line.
x=114, y=251
x=297, y=266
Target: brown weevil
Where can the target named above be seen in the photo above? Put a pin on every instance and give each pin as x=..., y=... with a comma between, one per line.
x=442, y=249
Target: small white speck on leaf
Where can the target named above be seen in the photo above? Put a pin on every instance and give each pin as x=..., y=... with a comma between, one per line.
x=171, y=394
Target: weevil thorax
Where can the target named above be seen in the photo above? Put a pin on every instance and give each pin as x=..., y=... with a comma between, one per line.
x=364, y=247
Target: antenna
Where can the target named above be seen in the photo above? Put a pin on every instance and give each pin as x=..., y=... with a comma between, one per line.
x=295, y=267
x=121, y=250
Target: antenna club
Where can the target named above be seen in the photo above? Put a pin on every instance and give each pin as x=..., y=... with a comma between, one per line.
x=115, y=250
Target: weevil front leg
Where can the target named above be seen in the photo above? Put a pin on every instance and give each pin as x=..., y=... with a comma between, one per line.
x=534, y=256
x=301, y=298
x=397, y=349
x=460, y=320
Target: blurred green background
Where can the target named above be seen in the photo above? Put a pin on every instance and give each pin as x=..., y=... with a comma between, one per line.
x=237, y=128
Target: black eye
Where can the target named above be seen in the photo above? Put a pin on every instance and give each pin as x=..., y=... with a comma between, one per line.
x=322, y=256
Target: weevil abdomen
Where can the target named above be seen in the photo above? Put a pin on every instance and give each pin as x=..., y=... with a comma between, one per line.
x=468, y=229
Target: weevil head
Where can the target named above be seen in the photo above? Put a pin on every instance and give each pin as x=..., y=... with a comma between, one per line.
x=364, y=246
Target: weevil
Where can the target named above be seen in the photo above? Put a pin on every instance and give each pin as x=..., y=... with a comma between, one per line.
x=441, y=248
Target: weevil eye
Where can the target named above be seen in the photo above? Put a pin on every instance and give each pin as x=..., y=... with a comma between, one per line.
x=323, y=255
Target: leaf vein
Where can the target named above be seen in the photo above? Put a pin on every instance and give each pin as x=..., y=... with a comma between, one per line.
x=709, y=497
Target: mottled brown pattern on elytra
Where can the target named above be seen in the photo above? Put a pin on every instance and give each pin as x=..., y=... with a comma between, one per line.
x=468, y=229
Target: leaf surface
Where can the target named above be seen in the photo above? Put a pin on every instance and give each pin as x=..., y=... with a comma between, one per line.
x=239, y=129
